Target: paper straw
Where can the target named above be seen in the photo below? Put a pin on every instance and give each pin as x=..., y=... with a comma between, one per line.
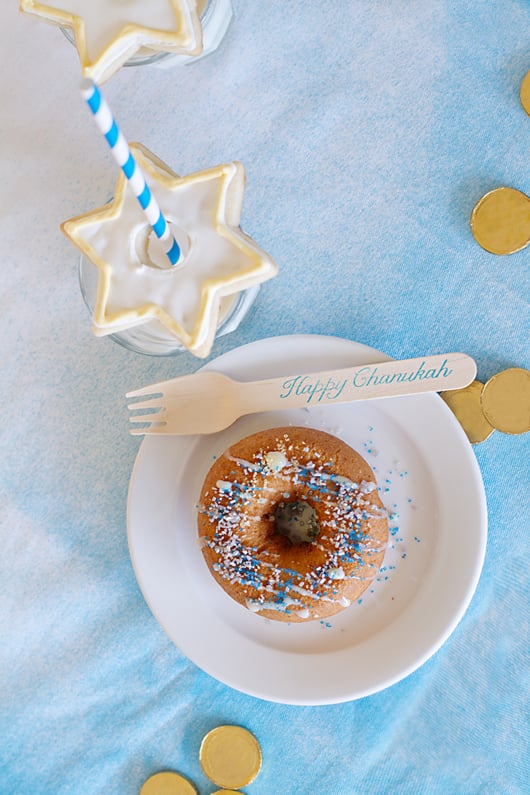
x=124, y=158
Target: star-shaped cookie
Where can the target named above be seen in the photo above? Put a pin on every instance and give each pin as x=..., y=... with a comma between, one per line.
x=135, y=281
x=108, y=32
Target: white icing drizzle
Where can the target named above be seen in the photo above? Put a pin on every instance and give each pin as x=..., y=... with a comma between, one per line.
x=276, y=460
x=224, y=485
x=336, y=574
x=244, y=464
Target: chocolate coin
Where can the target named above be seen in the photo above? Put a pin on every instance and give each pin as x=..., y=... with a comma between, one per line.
x=524, y=94
x=505, y=400
x=465, y=405
x=167, y=783
x=500, y=221
x=230, y=756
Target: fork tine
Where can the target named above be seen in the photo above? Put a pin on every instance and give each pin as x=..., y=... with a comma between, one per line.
x=152, y=403
x=152, y=389
x=160, y=429
x=153, y=419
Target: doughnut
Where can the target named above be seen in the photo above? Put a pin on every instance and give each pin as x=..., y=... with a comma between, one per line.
x=291, y=524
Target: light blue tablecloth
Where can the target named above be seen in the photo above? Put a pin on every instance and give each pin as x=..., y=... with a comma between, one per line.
x=368, y=131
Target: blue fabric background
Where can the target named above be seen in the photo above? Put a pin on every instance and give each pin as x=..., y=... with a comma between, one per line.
x=368, y=131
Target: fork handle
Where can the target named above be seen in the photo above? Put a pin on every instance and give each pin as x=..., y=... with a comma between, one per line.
x=364, y=382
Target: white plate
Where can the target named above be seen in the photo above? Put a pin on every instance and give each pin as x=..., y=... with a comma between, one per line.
x=427, y=475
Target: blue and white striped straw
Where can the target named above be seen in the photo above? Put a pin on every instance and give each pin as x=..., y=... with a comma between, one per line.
x=124, y=158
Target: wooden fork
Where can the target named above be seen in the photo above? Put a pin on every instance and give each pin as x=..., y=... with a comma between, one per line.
x=208, y=401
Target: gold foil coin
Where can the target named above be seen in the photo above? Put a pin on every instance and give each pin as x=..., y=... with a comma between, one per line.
x=525, y=93
x=168, y=783
x=500, y=221
x=505, y=400
x=230, y=756
x=465, y=405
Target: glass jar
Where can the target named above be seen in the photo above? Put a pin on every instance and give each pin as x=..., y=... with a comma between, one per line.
x=152, y=338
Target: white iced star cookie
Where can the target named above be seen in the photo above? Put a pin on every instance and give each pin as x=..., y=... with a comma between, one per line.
x=108, y=32
x=136, y=283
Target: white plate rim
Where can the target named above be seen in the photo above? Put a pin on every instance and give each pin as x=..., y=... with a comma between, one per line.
x=271, y=690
